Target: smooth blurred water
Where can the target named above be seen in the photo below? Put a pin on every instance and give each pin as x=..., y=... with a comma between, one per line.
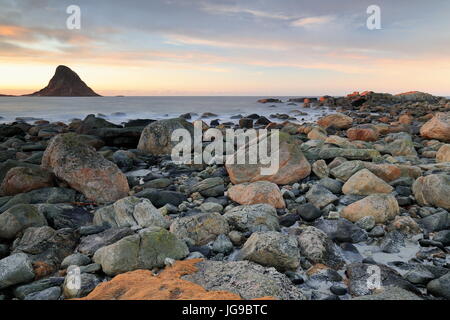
x=66, y=109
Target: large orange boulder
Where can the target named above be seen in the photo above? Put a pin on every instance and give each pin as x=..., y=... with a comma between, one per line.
x=337, y=120
x=363, y=133
x=292, y=165
x=257, y=192
x=437, y=128
x=21, y=180
x=365, y=183
x=84, y=169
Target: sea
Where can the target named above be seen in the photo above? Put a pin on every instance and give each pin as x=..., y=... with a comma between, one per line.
x=121, y=109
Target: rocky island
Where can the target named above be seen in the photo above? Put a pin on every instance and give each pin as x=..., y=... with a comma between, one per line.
x=65, y=83
x=366, y=186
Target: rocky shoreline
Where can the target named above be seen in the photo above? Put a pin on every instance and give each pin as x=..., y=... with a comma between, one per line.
x=103, y=204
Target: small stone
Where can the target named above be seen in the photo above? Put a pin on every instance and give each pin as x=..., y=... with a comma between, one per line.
x=366, y=223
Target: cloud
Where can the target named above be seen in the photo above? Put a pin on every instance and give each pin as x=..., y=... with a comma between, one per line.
x=312, y=21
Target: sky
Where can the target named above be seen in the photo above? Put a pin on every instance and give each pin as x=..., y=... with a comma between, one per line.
x=228, y=47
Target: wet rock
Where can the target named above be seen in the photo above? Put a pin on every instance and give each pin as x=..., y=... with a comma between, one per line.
x=256, y=193
x=334, y=186
x=22, y=179
x=18, y=218
x=90, y=244
x=293, y=165
x=76, y=259
x=91, y=123
x=15, y=269
x=342, y=230
x=49, y=294
x=320, y=197
x=60, y=216
x=381, y=207
x=84, y=169
x=272, y=249
x=440, y=287
x=365, y=183
x=443, y=237
x=309, y=212
x=253, y=218
x=405, y=225
x=433, y=190
x=419, y=275
x=35, y=287
x=156, y=139
x=201, y=228
x=146, y=250
x=160, y=198
x=436, y=222
x=366, y=223
x=130, y=212
x=392, y=242
x=247, y=279
x=211, y=187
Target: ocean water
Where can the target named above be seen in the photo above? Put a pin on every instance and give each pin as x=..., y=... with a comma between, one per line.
x=122, y=109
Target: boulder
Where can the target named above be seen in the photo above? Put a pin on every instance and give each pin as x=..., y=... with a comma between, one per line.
x=253, y=218
x=130, y=212
x=443, y=154
x=400, y=144
x=315, y=245
x=338, y=120
x=244, y=278
x=433, y=190
x=320, y=196
x=15, y=269
x=272, y=249
x=201, y=228
x=90, y=244
x=344, y=171
x=257, y=192
x=363, y=133
x=293, y=165
x=380, y=206
x=146, y=250
x=156, y=138
x=440, y=287
x=437, y=128
x=390, y=294
x=160, y=198
x=84, y=169
x=321, y=169
x=365, y=183
x=210, y=187
x=19, y=218
x=22, y=179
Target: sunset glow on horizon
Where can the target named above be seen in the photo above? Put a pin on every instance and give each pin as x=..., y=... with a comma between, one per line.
x=221, y=47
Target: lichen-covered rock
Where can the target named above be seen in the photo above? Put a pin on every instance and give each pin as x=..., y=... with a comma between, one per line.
x=210, y=187
x=443, y=154
x=146, y=250
x=272, y=249
x=253, y=218
x=320, y=196
x=257, y=192
x=156, y=139
x=84, y=169
x=201, y=228
x=433, y=190
x=18, y=218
